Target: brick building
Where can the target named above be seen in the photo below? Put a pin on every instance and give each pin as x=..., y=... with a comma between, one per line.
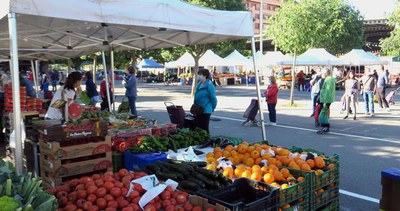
x=269, y=9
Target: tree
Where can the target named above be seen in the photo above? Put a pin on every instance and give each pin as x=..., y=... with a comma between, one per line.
x=330, y=24
x=391, y=45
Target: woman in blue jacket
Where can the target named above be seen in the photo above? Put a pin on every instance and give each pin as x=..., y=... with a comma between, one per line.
x=91, y=89
x=131, y=90
x=206, y=98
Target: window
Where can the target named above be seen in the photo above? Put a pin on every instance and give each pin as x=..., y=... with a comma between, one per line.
x=257, y=25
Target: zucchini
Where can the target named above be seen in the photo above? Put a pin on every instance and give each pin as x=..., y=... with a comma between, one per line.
x=162, y=167
x=166, y=176
x=197, y=181
x=147, y=171
x=207, y=173
x=189, y=185
x=154, y=168
x=177, y=169
x=208, y=182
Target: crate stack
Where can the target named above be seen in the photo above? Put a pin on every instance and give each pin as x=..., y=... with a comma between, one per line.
x=65, y=155
x=9, y=101
x=297, y=195
x=324, y=193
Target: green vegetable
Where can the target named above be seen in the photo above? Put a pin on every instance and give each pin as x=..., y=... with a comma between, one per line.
x=8, y=204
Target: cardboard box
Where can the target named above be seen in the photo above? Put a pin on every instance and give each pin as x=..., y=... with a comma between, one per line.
x=54, y=151
x=58, y=132
x=203, y=202
x=63, y=168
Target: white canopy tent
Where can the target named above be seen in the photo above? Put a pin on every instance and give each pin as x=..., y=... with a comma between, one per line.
x=315, y=57
x=90, y=26
x=211, y=59
x=273, y=58
x=358, y=57
x=237, y=59
x=186, y=60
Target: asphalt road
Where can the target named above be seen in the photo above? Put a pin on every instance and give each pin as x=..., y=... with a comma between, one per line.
x=366, y=146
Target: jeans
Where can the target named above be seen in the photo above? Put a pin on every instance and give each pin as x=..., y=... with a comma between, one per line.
x=272, y=112
x=314, y=99
x=203, y=121
x=132, y=105
x=382, y=98
x=369, y=101
x=352, y=99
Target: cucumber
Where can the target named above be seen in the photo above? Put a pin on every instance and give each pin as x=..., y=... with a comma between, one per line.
x=189, y=185
x=207, y=173
x=154, y=168
x=177, y=169
x=166, y=176
x=191, y=163
x=162, y=167
x=208, y=182
x=197, y=181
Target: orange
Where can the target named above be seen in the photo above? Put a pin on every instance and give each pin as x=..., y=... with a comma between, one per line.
x=226, y=154
x=285, y=173
x=256, y=176
x=319, y=162
x=300, y=179
x=275, y=184
x=311, y=163
x=238, y=172
x=227, y=173
x=246, y=155
x=254, y=154
x=284, y=152
x=290, y=179
x=250, y=149
x=264, y=169
x=331, y=166
x=246, y=174
x=256, y=145
x=211, y=167
x=271, y=161
x=278, y=176
x=210, y=154
x=278, y=164
x=245, y=143
x=266, y=156
x=242, y=148
x=217, y=149
x=217, y=155
x=210, y=160
x=275, y=149
x=265, y=147
x=259, y=149
x=272, y=169
x=319, y=171
x=249, y=162
x=268, y=178
x=235, y=160
x=286, y=206
x=256, y=167
x=305, y=167
x=229, y=148
x=234, y=153
x=284, y=186
x=258, y=161
x=285, y=160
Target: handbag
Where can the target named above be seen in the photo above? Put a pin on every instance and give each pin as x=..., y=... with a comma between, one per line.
x=124, y=106
x=196, y=110
x=324, y=116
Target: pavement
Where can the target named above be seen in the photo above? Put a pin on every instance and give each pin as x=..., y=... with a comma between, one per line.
x=366, y=146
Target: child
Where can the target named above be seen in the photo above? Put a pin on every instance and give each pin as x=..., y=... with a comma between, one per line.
x=272, y=98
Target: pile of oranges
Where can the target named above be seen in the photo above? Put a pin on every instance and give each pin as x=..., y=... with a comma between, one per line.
x=248, y=162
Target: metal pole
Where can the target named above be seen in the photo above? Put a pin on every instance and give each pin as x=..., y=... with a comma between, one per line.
x=94, y=69
x=12, y=26
x=37, y=70
x=34, y=78
x=112, y=78
x=261, y=25
x=253, y=51
x=105, y=74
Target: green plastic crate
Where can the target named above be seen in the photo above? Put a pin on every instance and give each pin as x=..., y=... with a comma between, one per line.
x=300, y=206
x=332, y=206
x=117, y=160
x=297, y=191
x=328, y=177
x=319, y=200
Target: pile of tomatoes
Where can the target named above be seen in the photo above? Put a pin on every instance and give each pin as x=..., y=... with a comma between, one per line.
x=108, y=192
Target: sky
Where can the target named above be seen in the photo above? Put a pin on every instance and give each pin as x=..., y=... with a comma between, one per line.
x=374, y=9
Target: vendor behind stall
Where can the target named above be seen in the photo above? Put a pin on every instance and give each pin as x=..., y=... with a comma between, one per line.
x=69, y=91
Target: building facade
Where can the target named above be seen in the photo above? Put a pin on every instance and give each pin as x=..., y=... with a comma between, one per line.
x=269, y=9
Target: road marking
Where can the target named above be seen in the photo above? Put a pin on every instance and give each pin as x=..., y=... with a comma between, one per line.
x=356, y=195
x=313, y=130
x=344, y=192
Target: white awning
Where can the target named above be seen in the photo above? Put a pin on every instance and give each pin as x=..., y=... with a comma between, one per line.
x=359, y=57
x=273, y=58
x=237, y=59
x=211, y=59
x=316, y=56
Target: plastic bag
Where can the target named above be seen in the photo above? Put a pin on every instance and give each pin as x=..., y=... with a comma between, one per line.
x=324, y=116
x=23, y=136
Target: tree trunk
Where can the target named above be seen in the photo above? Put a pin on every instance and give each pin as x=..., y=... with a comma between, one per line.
x=293, y=80
x=195, y=70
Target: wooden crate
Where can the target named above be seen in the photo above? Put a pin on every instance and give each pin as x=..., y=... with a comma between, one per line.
x=48, y=181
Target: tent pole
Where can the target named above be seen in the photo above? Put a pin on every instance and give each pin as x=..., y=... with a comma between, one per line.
x=106, y=77
x=253, y=51
x=12, y=26
x=112, y=77
x=37, y=71
x=94, y=69
x=34, y=78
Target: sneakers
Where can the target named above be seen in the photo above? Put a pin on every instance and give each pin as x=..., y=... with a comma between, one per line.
x=387, y=109
x=345, y=117
x=372, y=114
x=311, y=115
x=323, y=130
x=271, y=123
x=367, y=113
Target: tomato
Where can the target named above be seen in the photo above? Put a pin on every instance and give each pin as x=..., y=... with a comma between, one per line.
x=136, y=207
x=95, y=177
x=112, y=204
x=136, y=200
x=170, y=208
x=115, y=192
x=138, y=187
x=73, y=196
x=158, y=205
x=149, y=207
x=134, y=194
x=124, y=192
x=210, y=209
x=61, y=194
x=110, y=209
x=80, y=203
x=174, y=195
x=127, y=178
x=108, y=178
x=101, y=203
x=181, y=199
x=62, y=201
x=197, y=208
x=166, y=203
x=185, y=193
x=82, y=194
x=65, y=188
x=80, y=187
x=109, y=173
x=119, y=185
x=127, y=186
x=92, y=198
x=79, y=209
x=128, y=209
x=169, y=189
x=120, y=198
x=101, y=192
x=123, y=203
x=173, y=201
x=188, y=207
x=93, y=208
x=91, y=189
x=108, y=197
x=140, y=174
x=71, y=207
x=108, y=186
x=73, y=183
x=85, y=180
x=91, y=183
x=165, y=195
x=87, y=205
x=179, y=209
x=99, y=183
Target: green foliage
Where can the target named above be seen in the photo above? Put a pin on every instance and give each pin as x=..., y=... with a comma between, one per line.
x=391, y=45
x=330, y=24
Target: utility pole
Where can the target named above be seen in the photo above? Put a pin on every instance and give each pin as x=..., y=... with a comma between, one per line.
x=261, y=25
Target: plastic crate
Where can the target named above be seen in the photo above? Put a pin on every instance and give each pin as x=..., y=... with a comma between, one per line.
x=299, y=206
x=328, y=177
x=118, y=161
x=139, y=161
x=318, y=200
x=332, y=206
x=297, y=191
x=245, y=194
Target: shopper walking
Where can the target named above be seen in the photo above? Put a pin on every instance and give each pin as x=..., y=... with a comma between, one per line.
x=206, y=98
x=103, y=93
x=68, y=93
x=316, y=82
x=351, y=94
x=54, y=80
x=383, y=81
x=327, y=97
x=272, y=99
x=300, y=81
x=91, y=89
x=369, y=89
x=131, y=89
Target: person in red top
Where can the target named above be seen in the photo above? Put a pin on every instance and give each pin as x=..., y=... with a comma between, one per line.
x=272, y=99
x=103, y=94
x=300, y=81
